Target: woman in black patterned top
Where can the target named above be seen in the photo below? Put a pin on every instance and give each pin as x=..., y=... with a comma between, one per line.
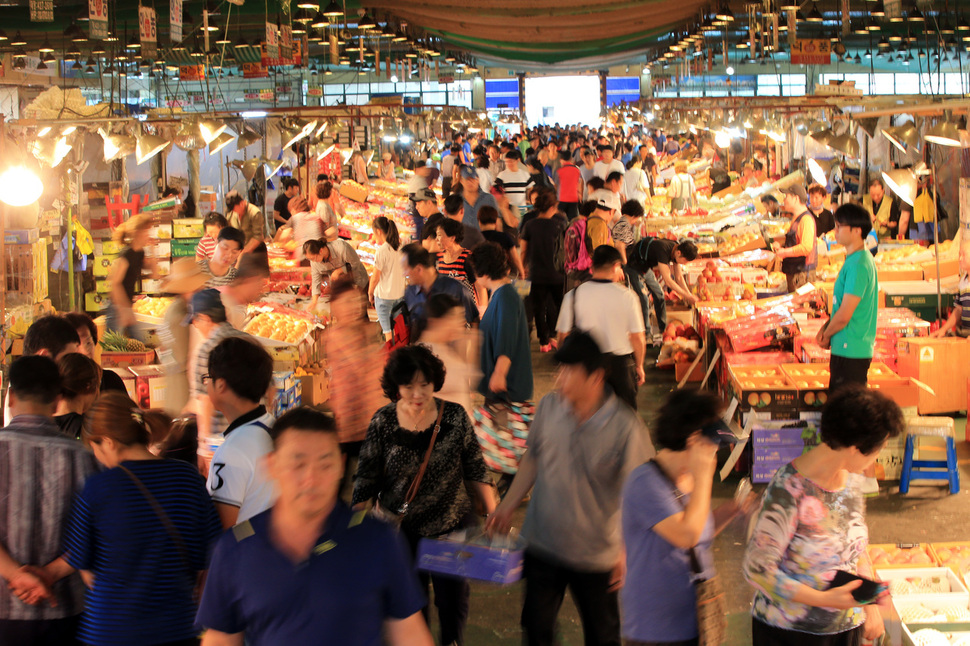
x=395, y=446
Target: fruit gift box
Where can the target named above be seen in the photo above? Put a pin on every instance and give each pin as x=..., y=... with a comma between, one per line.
x=761, y=388
x=761, y=329
x=889, y=556
x=812, y=382
x=955, y=556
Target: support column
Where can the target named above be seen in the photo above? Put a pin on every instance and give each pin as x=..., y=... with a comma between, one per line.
x=521, y=77
x=195, y=183
x=602, y=75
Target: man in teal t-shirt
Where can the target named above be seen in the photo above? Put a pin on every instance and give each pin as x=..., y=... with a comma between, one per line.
x=851, y=330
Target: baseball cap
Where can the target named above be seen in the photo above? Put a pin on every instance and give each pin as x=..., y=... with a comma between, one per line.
x=425, y=195
x=208, y=302
x=468, y=172
x=769, y=198
x=797, y=190
x=580, y=347
x=606, y=199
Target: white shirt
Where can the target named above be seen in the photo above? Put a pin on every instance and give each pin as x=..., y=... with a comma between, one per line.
x=602, y=169
x=484, y=179
x=237, y=476
x=633, y=180
x=516, y=184
x=391, y=285
x=608, y=311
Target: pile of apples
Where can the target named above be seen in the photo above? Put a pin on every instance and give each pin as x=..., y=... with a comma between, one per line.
x=892, y=555
x=681, y=342
x=737, y=242
x=955, y=557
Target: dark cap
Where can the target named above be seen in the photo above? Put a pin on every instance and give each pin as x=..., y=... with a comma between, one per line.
x=469, y=172
x=580, y=347
x=797, y=190
x=718, y=431
x=425, y=195
x=208, y=302
x=765, y=199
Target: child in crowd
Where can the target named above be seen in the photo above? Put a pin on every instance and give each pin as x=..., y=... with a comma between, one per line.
x=213, y=224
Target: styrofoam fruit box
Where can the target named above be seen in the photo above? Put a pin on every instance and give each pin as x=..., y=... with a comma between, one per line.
x=910, y=615
x=957, y=594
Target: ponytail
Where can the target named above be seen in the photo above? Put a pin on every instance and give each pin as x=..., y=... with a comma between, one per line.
x=389, y=229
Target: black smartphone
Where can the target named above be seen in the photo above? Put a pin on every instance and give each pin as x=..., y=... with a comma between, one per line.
x=866, y=593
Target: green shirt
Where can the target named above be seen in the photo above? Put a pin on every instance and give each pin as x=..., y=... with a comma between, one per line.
x=858, y=278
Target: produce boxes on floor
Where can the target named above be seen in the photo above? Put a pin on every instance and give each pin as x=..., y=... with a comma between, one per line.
x=289, y=392
x=762, y=389
x=776, y=443
x=118, y=351
x=941, y=364
x=494, y=561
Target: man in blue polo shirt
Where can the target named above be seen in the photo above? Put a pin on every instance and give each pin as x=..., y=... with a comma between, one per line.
x=423, y=281
x=309, y=570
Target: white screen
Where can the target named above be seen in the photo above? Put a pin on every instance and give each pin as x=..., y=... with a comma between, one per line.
x=563, y=99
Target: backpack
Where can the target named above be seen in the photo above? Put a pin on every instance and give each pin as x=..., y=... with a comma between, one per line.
x=400, y=328
x=559, y=254
x=577, y=247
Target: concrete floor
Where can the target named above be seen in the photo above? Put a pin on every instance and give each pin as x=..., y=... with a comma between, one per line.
x=926, y=514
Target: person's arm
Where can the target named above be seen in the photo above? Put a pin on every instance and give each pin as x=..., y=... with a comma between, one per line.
x=684, y=529
x=639, y=342
x=497, y=383
x=951, y=322
x=904, y=218
x=228, y=514
x=673, y=284
x=277, y=216
x=517, y=260
x=621, y=247
x=204, y=412
x=372, y=285
x=217, y=638
x=839, y=320
x=500, y=521
x=29, y=584
x=412, y=631
x=316, y=280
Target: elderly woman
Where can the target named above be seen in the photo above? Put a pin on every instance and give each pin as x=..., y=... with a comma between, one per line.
x=812, y=524
x=418, y=454
x=667, y=519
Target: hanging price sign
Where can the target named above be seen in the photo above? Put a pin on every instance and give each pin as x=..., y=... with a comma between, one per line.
x=147, y=32
x=286, y=41
x=272, y=44
x=41, y=10
x=175, y=21
x=98, y=15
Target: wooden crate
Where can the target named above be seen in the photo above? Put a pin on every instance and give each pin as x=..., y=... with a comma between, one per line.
x=27, y=270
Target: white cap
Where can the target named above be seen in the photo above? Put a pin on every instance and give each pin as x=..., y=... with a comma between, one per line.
x=606, y=199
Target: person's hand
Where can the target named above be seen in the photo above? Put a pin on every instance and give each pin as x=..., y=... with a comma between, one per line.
x=874, y=628
x=841, y=598
x=641, y=376
x=820, y=337
x=499, y=521
x=936, y=334
x=823, y=342
x=617, y=575
x=497, y=383
x=31, y=585
x=701, y=457
x=370, y=298
x=126, y=317
x=691, y=298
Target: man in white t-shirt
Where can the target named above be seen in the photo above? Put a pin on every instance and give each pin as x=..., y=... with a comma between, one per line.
x=239, y=375
x=515, y=179
x=611, y=313
x=606, y=163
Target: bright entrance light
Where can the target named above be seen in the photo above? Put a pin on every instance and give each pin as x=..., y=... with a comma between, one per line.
x=20, y=186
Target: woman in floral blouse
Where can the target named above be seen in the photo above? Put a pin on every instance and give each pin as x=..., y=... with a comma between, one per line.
x=812, y=524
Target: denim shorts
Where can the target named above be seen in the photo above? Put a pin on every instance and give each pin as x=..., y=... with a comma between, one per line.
x=384, y=308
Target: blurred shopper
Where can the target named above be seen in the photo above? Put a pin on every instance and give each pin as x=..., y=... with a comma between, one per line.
x=249, y=219
x=127, y=270
x=636, y=186
x=582, y=446
x=812, y=524
x=454, y=260
x=851, y=330
x=183, y=280
x=329, y=220
x=238, y=375
x=611, y=313
x=457, y=347
x=303, y=223
x=884, y=210
x=143, y=528
x=43, y=472
x=80, y=386
x=515, y=179
x=681, y=190
x=799, y=248
x=332, y=574
x=355, y=361
x=385, y=170
x=414, y=465
x=455, y=210
x=488, y=223
x=570, y=186
x=281, y=207
x=668, y=524
x=87, y=333
x=49, y=336
x=252, y=275
x=386, y=287
x=207, y=315
x=541, y=239
x=423, y=281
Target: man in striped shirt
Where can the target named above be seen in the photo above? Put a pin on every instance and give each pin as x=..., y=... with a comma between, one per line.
x=515, y=179
x=43, y=470
x=213, y=223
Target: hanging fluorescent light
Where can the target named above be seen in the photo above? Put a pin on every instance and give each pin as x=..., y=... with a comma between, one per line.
x=246, y=139
x=211, y=129
x=20, y=186
x=220, y=142
x=333, y=9
x=147, y=146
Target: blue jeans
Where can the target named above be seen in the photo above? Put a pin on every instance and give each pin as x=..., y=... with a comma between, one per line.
x=659, y=306
x=384, y=307
x=636, y=284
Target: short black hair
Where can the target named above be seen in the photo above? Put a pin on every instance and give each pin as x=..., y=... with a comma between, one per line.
x=233, y=201
x=313, y=246
x=82, y=320
x=487, y=215
x=688, y=250
x=602, y=147
x=290, y=182
x=404, y=364
x=515, y=154
x=615, y=176
x=605, y=256
x=682, y=413
x=546, y=198
x=214, y=218
x=877, y=180
x=587, y=207
x=417, y=256
x=565, y=155
x=51, y=333
x=35, y=379
x=233, y=234
x=244, y=365
x=853, y=216
x=452, y=229
x=490, y=260
x=440, y=304
x=303, y=418
x=860, y=417
x=252, y=265
x=632, y=208
x=454, y=203
x=595, y=183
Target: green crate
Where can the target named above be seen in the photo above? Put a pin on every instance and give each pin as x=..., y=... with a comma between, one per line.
x=923, y=305
x=182, y=247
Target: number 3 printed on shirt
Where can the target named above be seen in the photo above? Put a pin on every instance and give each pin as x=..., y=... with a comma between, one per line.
x=217, y=468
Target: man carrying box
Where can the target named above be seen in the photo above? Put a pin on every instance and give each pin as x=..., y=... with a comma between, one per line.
x=851, y=330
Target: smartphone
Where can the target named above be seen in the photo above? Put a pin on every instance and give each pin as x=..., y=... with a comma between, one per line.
x=868, y=592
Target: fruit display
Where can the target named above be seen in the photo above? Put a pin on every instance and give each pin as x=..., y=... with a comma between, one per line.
x=744, y=242
x=279, y=327
x=930, y=637
x=681, y=344
x=920, y=585
x=154, y=306
x=761, y=330
x=883, y=556
x=114, y=342
x=955, y=556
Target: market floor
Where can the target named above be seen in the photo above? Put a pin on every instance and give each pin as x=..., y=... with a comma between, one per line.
x=926, y=514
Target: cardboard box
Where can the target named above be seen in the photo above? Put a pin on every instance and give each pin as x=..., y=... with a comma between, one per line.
x=315, y=388
x=766, y=460
x=764, y=434
x=162, y=231
x=477, y=560
x=161, y=249
x=126, y=359
x=947, y=268
x=21, y=236
x=772, y=393
x=182, y=247
x=107, y=248
x=95, y=302
x=149, y=286
x=697, y=374
x=187, y=228
x=889, y=273
x=941, y=364
x=102, y=265
x=150, y=384
x=102, y=286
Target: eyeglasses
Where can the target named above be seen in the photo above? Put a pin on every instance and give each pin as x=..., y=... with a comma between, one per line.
x=206, y=378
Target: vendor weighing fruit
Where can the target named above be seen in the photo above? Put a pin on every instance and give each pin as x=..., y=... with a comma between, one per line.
x=331, y=259
x=798, y=253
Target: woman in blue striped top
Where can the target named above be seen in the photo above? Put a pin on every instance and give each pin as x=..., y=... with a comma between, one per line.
x=143, y=529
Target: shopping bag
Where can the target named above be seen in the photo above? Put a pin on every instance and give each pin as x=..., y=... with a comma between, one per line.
x=502, y=429
x=497, y=560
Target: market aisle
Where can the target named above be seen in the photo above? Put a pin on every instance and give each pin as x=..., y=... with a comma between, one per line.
x=926, y=514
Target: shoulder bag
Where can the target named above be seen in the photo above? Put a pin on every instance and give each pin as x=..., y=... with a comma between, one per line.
x=711, y=610
x=396, y=517
x=166, y=521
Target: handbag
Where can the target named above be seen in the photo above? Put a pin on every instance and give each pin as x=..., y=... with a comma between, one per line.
x=397, y=517
x=502, y=429
x=711, y=609
x=166, y=521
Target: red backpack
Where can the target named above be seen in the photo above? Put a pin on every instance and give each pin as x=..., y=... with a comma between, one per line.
x=578, y=247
